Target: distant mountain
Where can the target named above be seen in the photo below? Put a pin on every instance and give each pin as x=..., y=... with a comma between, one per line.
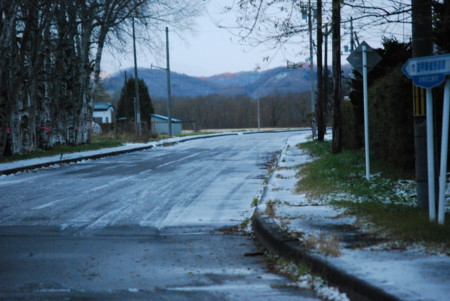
x=253, y=84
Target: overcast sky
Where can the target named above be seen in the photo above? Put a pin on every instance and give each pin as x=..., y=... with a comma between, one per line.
x=211, y=50
x=207, y=51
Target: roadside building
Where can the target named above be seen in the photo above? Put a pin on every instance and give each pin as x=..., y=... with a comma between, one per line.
x=160, y=125
x=103, y=112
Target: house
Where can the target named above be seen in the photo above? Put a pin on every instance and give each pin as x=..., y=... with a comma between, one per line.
x=160, y=124
x=103, y=112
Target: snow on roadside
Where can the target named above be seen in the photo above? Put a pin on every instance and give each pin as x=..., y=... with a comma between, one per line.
x=304, y=280
x=409, y=272
x=56, y=158
x=86, y=154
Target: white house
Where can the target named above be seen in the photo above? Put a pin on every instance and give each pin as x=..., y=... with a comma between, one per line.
x=160, y=124
x=103, y=112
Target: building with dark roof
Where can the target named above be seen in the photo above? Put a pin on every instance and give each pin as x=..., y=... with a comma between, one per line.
x=160, y=124
x=103, y=112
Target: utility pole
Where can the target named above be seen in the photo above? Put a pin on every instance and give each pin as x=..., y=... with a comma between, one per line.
x=311, y=71
x=169, y=94
x=259, y=116
x=137, y=110
x=336, y=43
x=422, y=45
x=320, y=94
x=325, y=80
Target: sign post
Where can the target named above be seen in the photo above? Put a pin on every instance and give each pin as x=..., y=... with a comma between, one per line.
x=366, y=111
x=363, y=59
x=428, y=72
x=444, y=150
x=430, y=155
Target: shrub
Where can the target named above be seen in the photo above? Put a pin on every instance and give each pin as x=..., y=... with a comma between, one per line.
x=349, y=140
x=391, y=120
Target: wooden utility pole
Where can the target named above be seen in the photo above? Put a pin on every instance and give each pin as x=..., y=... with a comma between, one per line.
x=326, y=78
x=320, y=93
x=137, y=109
x=422, y=45
x=336, y=47
x=311, y=72
x=169, y=93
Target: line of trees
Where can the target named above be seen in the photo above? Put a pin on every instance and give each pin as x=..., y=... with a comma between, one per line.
x=217, y=111
x=50, y=56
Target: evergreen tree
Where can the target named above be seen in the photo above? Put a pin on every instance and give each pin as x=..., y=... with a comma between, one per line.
x=441, y=25
x=125, y=107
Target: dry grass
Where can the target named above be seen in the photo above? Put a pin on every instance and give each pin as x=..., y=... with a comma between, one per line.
x=327, y=245
x=270, y=209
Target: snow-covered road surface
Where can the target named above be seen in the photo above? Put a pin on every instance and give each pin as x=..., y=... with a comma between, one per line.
x=201, y=182
x=140, y=225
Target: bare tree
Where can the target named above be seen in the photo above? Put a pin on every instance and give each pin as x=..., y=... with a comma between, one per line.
x=50, y=63
x=279, y=24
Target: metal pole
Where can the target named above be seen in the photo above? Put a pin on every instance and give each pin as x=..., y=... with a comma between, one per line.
x=444, y=153
x=169, y=96
x=259, y=116
x=311, y=71
x=366, y=112
x=325, y=83
x=137, y=111
x=430, y=156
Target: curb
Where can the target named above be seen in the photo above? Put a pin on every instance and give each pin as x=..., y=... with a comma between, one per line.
x=109, y=154
x=275, y=131
x=271, y=237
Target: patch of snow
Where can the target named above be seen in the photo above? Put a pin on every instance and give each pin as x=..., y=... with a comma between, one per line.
x=280, y=76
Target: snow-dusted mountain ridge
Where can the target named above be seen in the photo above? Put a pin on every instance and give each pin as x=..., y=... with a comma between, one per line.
x=254, y=84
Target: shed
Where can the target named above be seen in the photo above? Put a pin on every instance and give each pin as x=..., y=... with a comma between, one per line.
x=103, y=112
x=160, y=124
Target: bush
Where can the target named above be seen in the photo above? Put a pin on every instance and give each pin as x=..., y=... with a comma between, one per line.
x=349, y=140
x=391, y=120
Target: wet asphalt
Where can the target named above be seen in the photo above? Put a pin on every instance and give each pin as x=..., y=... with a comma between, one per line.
x=126, y=263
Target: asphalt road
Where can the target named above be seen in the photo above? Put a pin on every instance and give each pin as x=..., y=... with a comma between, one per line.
x=142, y=226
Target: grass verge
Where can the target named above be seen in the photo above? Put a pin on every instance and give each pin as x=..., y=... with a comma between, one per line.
x=98, y=142
x=386, y=202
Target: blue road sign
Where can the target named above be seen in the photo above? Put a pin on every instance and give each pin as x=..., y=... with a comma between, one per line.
x=428, y=71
